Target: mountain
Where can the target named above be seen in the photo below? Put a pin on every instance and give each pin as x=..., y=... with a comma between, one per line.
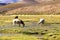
x=2, y=4
x=33, y=7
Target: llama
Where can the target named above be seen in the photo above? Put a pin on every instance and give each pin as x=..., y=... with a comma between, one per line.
x=17, y=21
x=41, y=21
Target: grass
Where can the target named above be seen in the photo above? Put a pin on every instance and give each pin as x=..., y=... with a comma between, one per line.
x=33, y=18
x=32, y=31
x=18, y=37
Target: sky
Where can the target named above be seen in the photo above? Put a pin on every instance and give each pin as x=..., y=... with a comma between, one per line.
x=8, y=1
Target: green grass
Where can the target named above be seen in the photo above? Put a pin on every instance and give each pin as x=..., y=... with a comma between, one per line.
x=32, y=31
x=33, y=18
x=18, y=37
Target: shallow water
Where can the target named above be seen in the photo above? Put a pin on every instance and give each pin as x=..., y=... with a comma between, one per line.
x=31, y=25
x=6, y=34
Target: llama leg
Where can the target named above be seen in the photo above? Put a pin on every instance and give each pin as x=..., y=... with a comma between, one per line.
x=19, y=25
x=14, y=23
x=23, y=25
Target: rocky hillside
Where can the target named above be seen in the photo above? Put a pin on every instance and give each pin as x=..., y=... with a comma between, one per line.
x=33, y=7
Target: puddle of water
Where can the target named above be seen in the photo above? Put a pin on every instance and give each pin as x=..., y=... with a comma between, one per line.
x=6, y=34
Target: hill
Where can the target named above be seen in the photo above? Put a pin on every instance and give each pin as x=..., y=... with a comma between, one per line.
x=33, y=7
x=1, y=4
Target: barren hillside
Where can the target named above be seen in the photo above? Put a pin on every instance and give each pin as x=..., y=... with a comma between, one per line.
x=33, y=7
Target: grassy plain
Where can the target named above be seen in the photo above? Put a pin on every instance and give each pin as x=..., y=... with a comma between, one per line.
x=32, y=30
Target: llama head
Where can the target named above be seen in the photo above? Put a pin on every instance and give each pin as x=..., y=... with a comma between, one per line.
x=16, y=17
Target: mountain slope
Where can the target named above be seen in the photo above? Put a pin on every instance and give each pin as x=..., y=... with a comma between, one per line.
x=33, y=7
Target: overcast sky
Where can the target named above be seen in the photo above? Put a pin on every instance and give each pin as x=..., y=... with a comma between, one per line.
x=8, y=1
